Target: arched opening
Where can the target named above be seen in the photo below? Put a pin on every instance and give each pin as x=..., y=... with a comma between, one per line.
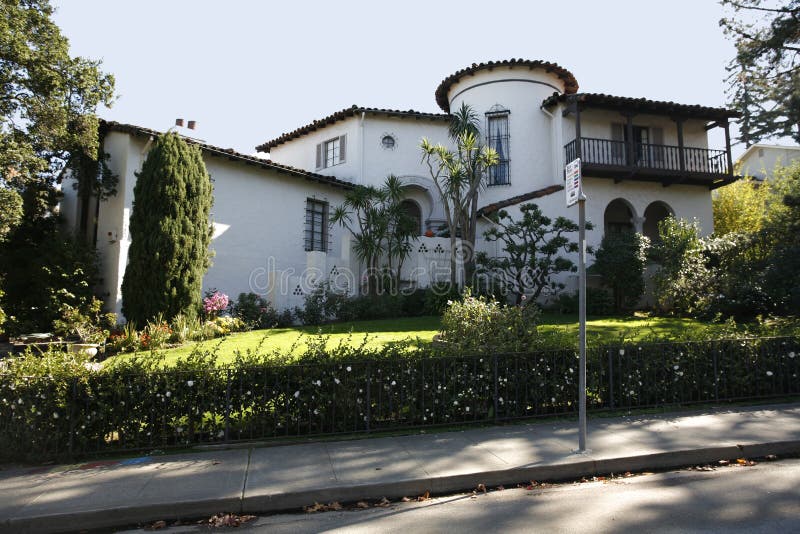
x=412, y=209
x=618, y=217
x=655, y=213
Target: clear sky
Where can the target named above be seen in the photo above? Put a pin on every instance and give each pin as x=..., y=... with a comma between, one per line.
x=248, y=71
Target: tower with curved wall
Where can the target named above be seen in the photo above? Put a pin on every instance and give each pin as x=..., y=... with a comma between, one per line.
x=507, y=97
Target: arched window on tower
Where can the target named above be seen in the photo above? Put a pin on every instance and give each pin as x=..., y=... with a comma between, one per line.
x=497, y=137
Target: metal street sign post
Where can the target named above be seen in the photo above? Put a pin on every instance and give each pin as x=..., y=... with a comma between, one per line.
x=574, y=189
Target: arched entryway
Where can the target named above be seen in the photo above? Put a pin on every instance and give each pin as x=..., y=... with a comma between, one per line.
x=655, y=213
x=618, y=217
x=412, y=209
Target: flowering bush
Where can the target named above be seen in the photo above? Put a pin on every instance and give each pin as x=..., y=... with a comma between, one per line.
x=479, y=324
x=215, y=303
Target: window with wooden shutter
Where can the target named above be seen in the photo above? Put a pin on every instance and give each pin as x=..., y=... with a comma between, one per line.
x=342, y=145
x=320, y=149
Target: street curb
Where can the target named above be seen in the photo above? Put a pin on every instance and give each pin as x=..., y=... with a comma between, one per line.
x=271, y=503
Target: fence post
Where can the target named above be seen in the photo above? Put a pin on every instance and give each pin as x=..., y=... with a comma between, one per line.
x=369, y=401
x=611, y=378
x=496, y=387
x=227, y=404
x=716, y=373
x=71, y=407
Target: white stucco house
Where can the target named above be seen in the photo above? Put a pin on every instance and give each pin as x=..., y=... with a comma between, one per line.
x=642, y=160
x=760, y=160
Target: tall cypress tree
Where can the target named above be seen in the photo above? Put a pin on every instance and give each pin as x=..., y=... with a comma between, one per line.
x=170, y=233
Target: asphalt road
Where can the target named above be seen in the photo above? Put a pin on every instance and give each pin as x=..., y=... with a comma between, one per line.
x=761, y=498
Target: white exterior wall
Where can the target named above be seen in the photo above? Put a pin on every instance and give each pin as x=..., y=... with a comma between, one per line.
x=259, y=225
x=259, y=233
x=597, y=124
x=521, y=91
x=302, y=152
x=760, y=160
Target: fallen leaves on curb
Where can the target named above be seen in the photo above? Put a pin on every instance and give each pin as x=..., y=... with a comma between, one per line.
x=406, y=499
x=158, y=525
x=424, y=497
x=317, y=507
x=226, y=520
x=481, y=487
x=770, y=457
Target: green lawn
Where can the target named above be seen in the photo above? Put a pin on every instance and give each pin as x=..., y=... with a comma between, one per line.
x=422, y=329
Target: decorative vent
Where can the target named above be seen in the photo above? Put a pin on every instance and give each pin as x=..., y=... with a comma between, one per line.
x=335, y=271
x=423, y=249
x=298, y=291
x=438, y=249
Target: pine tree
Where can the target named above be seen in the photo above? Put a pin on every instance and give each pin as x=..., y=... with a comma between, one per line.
x=170, y=233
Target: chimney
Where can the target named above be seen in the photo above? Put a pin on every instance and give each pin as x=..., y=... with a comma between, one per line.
x=191, y=125
x=179, y=122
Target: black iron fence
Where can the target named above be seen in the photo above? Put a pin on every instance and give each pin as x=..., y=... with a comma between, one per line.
x=648, y=156
x=48, y=417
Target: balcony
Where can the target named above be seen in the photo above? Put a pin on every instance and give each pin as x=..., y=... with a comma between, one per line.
x=667, y=164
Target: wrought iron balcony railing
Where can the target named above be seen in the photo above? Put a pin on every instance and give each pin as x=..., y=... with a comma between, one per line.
x=647, y=156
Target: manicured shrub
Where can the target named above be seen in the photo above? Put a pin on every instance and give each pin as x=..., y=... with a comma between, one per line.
x=438, y=297
x=170, y=233
x=621, y=260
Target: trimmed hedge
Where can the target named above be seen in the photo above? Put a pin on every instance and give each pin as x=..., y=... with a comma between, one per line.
x=71, y=409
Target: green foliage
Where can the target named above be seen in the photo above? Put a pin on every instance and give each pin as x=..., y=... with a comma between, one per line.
x=598, y=302
x=438, y=297
x=621, y=260
x=477, y=324
x=43, y=268
x=170, y=233
x=382, y=229
x=88, y=325
x=256, y=312
x=10, y=211
x=741, y=207
x=532, y=247
x=684, y=282
x=765, y=74
x=47, y=102
x=459, y=175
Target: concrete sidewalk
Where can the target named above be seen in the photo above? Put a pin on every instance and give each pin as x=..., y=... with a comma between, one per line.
x=268, y=479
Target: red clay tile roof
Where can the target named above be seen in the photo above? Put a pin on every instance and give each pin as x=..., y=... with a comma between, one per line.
x=539, y=193
x=644, y=105
x=109, y=126
x=570, y=83
x=346, y=113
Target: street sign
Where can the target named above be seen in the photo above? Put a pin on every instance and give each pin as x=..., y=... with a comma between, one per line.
x=574, y=189
x=575, y=195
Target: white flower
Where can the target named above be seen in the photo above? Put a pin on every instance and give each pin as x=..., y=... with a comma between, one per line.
x=622, y=352
x=349, y=368
x=316, y=412
x=179, y=429
x=500, y=399
x=769, y=373
x=336, y=380
x=221, y=434
x=394, y=383
x=296, y=394
x=455, y=403
x=676, y=367
x=169, y=393
x=190, y=383
x=55, y=415
x=318, y=382
x=631, y=392
x=467, y=409
x=791, y=354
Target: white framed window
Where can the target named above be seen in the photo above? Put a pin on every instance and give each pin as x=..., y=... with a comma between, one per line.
x=316, y=225
x=498, y=138
x=331, y=152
